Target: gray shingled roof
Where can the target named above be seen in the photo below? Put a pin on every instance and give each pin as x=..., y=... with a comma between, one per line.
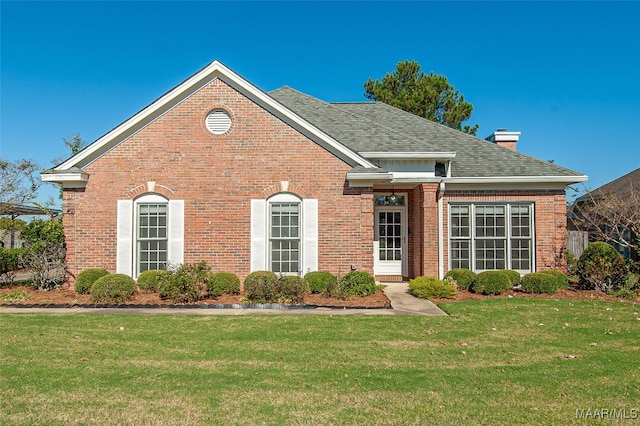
x=378, y=127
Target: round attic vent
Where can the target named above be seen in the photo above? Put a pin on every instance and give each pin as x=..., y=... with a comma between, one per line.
x=218, y=121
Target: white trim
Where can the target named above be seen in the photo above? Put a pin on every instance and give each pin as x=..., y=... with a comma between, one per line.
x=409, y=155
x=391, y=268
x=194, y=83
x=124, y=237
x=175, y=232
x=67, y=180
x=258, y=235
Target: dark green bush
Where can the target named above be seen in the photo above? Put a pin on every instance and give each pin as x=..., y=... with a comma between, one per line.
x=514, y=277
x=358, y=283
x=260, y=286
x=291, y=289
x=561, y=277
x=186, y=284
x=10, y=259
x=431, y=288
x=221, y=283
x=113, y=288
x=150, y=280
x=540, y=282
x=463, y=277
x=491, y=282
x=320, y=280
x=86, y=278
x=601, y=267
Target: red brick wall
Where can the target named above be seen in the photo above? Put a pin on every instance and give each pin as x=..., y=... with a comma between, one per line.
x=217, y=176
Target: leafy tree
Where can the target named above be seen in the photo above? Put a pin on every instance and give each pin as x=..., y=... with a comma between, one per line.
x=19, y=181
x=74, y=143
x=44, y=252
x=430, y=96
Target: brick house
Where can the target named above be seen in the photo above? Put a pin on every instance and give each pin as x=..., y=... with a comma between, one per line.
x=220, y=171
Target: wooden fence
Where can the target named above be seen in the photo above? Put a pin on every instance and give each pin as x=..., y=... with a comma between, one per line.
x=576, y=242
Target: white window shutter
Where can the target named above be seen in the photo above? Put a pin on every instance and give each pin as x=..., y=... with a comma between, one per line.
x=175, y=232
x=124, y=237
x=258, y=235
x=310, y=235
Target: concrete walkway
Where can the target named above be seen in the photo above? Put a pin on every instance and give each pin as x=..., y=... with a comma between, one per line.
x=402, y=303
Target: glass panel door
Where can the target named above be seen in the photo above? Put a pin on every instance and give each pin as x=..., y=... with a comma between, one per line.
x=390, y=241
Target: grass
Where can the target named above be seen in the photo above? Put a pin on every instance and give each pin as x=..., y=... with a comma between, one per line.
x=499, y=361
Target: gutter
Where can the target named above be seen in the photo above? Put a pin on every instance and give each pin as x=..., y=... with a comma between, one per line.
x=440, y=196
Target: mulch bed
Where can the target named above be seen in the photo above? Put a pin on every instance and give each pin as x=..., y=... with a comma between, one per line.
x=67, y=297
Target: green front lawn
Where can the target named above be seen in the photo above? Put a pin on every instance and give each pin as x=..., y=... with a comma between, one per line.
x=498, y=361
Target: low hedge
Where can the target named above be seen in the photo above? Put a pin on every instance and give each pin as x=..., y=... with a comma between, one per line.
x=463, y=277
x=491, y=282
x=358, y=283
x=291, y=289
x=542, y=282
x=10, y=259
x=86, y=279
x=113, y=288
x=150, y=280
x=514, y=277
x=220, y=283
x=260, y=287
x=320, y=281
x=431, y=288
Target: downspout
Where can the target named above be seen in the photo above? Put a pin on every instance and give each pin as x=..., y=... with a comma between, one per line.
x=440, y=196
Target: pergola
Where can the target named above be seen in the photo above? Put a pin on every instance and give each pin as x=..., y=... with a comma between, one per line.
x=16, y=210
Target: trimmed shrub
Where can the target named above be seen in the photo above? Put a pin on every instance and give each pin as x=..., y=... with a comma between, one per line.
x=220, y=283
x=540, y=282
x=150, y=280
x=319, y=281
x=463, y=277
x=86, y=278
x=291, y=289
x=260, y=286
x=601, y=267
x=561, y=277
x=113, y=288
x=186, y=284
x=358, y=283
x=514, y=277
x=431, y=288
x=491, y=282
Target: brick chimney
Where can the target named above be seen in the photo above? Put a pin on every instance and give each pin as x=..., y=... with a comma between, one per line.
x=504, y=138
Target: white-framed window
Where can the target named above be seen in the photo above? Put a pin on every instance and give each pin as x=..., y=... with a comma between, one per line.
x=488, y=236
x=150, y=234
x=284, y=234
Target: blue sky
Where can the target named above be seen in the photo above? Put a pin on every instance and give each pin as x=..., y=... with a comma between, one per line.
x=567, y=75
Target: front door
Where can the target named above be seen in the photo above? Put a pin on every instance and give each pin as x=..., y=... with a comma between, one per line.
x=390, y=241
